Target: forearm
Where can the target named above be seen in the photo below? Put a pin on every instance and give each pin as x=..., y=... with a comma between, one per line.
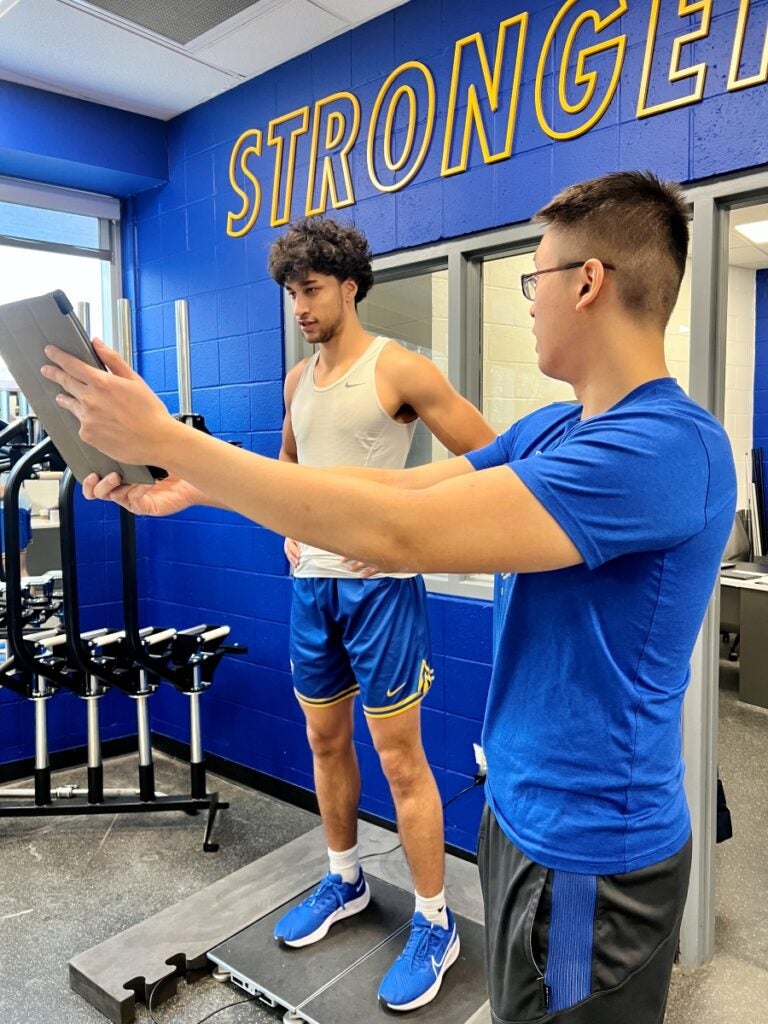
x=413, y=479
x=356, y=517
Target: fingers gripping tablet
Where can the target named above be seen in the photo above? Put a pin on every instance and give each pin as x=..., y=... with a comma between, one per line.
x=26, y=327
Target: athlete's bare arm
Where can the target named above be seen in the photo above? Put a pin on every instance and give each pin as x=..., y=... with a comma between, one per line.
x=288, y=452
x=288, y=445
x=410, y=386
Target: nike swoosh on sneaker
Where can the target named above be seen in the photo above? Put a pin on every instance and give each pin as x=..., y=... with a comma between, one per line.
x=437, y=964
x=397, y=689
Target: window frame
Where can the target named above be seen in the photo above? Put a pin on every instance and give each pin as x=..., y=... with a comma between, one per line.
x=106, y=209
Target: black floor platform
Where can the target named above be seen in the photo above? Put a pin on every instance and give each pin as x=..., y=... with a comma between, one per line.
x=333, y=981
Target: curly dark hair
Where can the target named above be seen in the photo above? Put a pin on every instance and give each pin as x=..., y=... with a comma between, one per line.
x=325, y=246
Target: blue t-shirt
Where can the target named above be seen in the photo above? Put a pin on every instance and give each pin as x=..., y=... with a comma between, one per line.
x=582, y=730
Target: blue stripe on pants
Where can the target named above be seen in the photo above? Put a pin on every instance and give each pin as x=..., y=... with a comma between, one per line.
x=568, y=973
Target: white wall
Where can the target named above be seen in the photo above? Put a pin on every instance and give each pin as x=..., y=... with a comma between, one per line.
x=740, y=370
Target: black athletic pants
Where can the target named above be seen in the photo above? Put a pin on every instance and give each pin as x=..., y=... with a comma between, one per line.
x=578, y=949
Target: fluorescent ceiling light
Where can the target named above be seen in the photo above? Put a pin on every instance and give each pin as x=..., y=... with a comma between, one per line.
x=756, y=232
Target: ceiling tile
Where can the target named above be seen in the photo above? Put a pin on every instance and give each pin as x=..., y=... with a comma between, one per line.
x=264, y=42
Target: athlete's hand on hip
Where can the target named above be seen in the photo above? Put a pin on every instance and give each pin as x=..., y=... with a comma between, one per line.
x=292, y=550
x=362, y=568
x=118, y=412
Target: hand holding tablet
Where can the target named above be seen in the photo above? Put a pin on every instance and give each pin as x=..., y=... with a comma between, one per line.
x=27, y=328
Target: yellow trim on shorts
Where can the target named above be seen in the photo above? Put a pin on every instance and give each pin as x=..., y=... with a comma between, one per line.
x=394, y=709
x=324, y=702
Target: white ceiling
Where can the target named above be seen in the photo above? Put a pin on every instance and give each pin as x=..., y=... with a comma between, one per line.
x=78, y=49
x=742, y=252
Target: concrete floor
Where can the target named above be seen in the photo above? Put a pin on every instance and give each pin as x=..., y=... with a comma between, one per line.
x=733, y=987
x=67, y=884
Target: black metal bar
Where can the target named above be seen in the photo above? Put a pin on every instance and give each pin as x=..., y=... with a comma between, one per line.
x=76, y=648
x=197, y=778
x=147, y=782
x=96, y=784
x=110, y=806
x=42, y=787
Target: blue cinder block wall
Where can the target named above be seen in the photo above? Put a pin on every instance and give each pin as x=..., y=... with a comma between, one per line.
x=207, y=565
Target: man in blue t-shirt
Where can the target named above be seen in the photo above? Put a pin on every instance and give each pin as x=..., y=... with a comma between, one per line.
x=606, y=520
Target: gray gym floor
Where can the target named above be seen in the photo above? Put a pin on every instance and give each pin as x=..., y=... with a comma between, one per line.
x=67, y=884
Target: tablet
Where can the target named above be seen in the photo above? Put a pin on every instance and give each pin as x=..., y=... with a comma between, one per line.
x=26, y=327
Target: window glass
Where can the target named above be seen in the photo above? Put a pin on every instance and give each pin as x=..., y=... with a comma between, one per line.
x=677, y=339
x=512, y=384
x=414, y=311
x=745, y=364
x=40, y=225
x=26, y=272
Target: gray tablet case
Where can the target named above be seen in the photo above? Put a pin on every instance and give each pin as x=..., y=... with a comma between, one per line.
x=26, y=327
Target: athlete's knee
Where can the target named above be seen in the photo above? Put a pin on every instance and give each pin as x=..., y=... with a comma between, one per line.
x=328, y=744
x=404, y=767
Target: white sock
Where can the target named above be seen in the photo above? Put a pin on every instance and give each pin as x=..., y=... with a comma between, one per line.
x=346, y=864
x=433, y=908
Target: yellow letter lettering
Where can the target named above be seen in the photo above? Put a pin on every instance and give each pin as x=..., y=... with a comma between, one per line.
x=285, y=169
x=474, y=118
x=676, y=73
x=761, y=76
x=339, y=139
x=587, y=79
x=404, y=92
x=249, y=211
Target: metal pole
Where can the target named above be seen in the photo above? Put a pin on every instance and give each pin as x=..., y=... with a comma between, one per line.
x=83, y=310
x=146, y=765
x=5, y=406
x=95, y=767
x=124, y=332
x=42, y=763
x=196, y=760
x=183, y=363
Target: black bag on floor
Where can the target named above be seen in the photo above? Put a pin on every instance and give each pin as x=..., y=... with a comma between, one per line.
x=724, y=824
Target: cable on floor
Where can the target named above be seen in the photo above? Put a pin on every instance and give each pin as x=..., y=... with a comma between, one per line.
x=478, y=781
x=227, y=1006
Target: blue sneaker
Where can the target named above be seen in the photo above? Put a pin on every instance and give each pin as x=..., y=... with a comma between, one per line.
x=331, y=901
x=414, y=979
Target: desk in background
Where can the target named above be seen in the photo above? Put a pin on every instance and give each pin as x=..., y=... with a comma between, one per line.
x=744, y=610
x=44, y=552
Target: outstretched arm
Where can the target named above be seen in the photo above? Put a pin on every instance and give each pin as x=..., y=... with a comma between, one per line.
x=415, y=382
x=476, y=522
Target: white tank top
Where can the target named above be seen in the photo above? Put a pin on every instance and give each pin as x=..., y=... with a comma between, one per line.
x=344, y=424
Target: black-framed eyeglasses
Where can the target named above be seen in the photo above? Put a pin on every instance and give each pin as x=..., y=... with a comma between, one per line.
x=528, y=281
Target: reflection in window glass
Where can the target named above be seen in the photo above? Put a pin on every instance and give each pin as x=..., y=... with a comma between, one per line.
x=27, y=272
x=513, y=385
x=677, y=338
x=745, y=359
x=414, y=311
x=40, y=225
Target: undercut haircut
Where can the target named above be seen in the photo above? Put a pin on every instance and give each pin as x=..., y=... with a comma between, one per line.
x=323, y=246
x=635, y=221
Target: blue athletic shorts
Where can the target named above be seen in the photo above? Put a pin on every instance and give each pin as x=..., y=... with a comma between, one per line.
x=25, y=529
x=362, y=636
